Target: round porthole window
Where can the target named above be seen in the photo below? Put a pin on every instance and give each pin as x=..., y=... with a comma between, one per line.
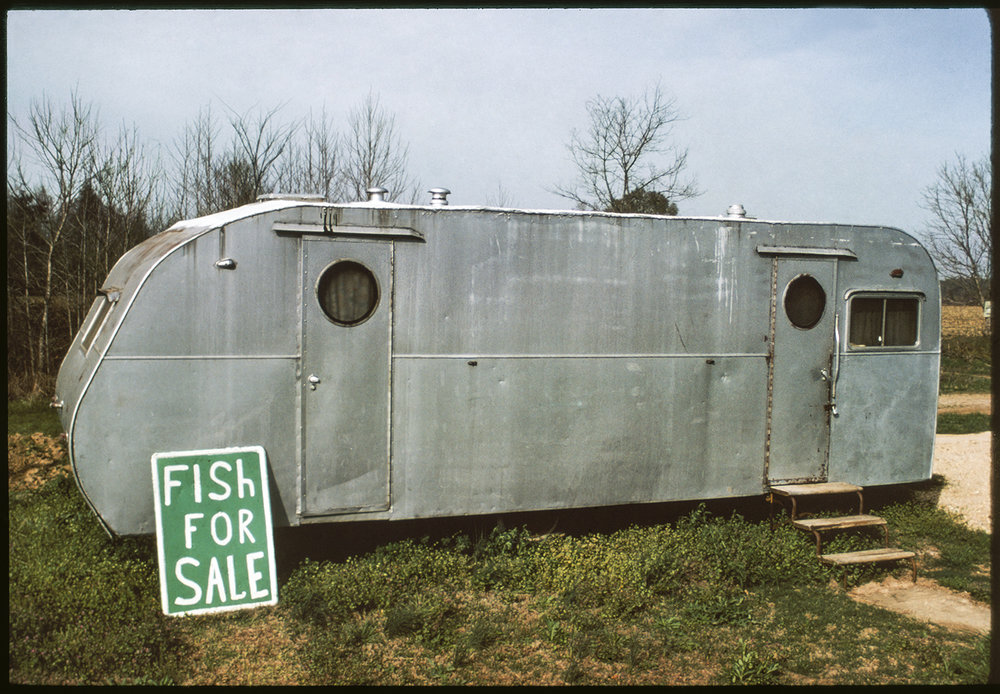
x=804, y=301
x=348, y=292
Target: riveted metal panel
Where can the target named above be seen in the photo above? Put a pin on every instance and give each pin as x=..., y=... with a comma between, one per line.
x=509, y=434
x=137, y=407
x=526, y=284
x=251, y=309
x=884, y=431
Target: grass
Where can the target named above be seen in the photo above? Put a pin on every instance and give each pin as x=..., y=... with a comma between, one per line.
x=965, y=364
x=703, y=599
x=950, y=423
x=31, y=416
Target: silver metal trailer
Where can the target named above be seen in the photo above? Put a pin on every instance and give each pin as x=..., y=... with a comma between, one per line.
x=415, y=361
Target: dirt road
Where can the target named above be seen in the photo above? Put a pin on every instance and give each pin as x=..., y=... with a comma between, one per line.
x=965, y=403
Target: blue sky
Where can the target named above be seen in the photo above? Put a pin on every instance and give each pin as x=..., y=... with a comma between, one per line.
x=824, y=115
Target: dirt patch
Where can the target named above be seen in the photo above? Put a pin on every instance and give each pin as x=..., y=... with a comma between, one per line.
x=965, y=403
x=964, y=462
x=927, y=601
x=232, y=653
x=34, y=460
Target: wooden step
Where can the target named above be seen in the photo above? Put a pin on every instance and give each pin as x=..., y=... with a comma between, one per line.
x=816, y=488
x=820, y=524
x=792, y=492
x=869, y=556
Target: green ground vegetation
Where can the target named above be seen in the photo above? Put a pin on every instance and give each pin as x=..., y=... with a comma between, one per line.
x=953, y=423
x=709, y=597
x=965, y=364
x=30, y=416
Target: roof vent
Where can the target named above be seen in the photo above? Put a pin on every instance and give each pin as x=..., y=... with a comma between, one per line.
x=439, y=196
x=736, y=210
x=377, y=194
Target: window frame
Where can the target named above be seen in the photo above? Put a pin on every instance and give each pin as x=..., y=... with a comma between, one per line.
x=98, y=316
x=885, y=296
x=319, y=300
x=803, y=276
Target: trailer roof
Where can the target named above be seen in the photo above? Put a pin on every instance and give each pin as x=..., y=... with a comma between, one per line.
x=228, y=216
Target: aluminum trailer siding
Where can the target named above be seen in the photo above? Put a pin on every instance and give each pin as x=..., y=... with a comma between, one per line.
x=406, y=361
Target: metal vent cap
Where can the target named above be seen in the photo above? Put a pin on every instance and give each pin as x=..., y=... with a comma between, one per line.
x=377, y=194
x=439, y=196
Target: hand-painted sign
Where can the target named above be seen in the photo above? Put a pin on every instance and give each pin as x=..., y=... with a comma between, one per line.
x=213, y=530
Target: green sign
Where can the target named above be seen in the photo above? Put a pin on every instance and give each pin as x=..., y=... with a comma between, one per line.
x=213, y=530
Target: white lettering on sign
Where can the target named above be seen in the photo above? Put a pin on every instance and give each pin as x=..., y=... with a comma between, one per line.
x=246, y=518
x=220, y=496
x=218, y=580
x=170, y=481
x=189, y=527
x=193, y=585
x=228, y=533
x=242, y=480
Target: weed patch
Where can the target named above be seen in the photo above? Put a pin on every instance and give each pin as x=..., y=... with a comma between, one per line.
x=952, y=423
x=707, y=599
x=965, y=363
x=82, y=607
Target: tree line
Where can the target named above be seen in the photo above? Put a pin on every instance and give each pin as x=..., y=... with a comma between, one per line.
x=79, y=196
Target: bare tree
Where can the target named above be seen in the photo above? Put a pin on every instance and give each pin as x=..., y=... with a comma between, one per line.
x=258, y=144
x=627, y=148
x=211, y=176
x=62, y=143
x=499, y=198
x=312, y=160
x=374, y=154
x=195, y=159
x=959, y=231
x=126, y=180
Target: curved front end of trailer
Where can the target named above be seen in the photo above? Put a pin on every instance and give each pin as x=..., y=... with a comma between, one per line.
x=184, y=349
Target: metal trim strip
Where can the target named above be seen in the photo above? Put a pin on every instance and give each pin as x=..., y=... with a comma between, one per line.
x=288, y=228
x=807, y=251
x=706, y=355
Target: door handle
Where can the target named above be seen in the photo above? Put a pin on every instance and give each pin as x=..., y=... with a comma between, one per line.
x=313, y=381
x=835, y=365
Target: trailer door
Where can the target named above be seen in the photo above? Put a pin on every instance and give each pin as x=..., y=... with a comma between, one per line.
x=346, y=314
x=803, y=315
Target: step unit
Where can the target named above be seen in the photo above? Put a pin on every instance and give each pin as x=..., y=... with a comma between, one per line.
x=791, y=493
x=817, y=525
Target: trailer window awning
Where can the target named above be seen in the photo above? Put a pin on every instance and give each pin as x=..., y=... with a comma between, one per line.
x=292, y=229
x=808, y=251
